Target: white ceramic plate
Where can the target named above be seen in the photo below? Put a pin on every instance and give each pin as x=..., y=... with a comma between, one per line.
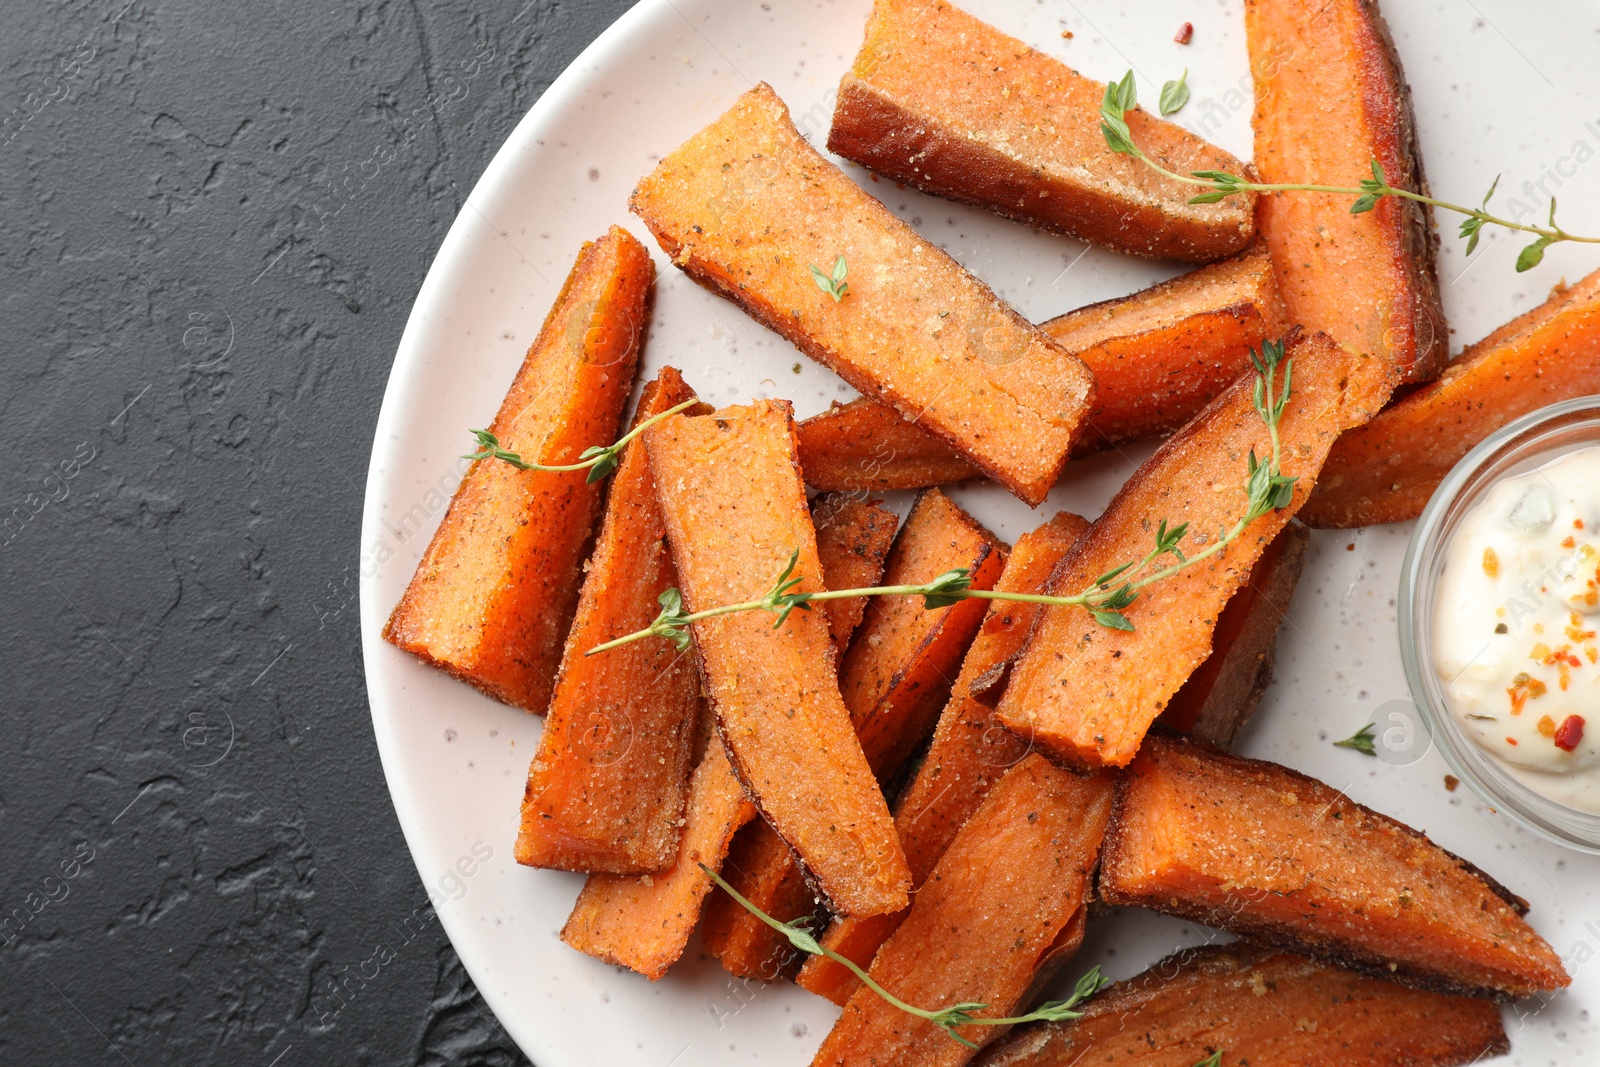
x=1494, y=91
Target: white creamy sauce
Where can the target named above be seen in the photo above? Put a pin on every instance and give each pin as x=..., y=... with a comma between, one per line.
x=1514, y=627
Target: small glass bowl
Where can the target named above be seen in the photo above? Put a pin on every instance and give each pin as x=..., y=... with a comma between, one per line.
x=1516, y=448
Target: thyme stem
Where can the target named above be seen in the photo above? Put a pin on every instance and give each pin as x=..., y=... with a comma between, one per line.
x=947, y=1019
x=598, y=460
x=1121, y=96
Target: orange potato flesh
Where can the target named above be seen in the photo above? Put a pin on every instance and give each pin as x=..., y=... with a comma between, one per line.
x=1331, y=99
x=746, y=207
x=998, y=909
x=853, y=539
x=729, y=486
x=495, y=591
x=1277, y=857
x=1259, y=1006
x=1219, y=697
x=1087, y=693
x=643, y=922
x=894, y=680
x=969, y=753
x=1387, y=470
x=945, y=102
x=1158, y=357
x=605, y=791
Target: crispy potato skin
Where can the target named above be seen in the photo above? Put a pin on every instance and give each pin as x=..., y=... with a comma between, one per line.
x=1387, y=470
x=1087, y=693
x=945, y=102
x=1280, y=858
x=1260, y=1006
x=643, y=923
x=1158, y=357
x=893, y=681
x=1004, y=904
x=969, y=753
x=1219, y=697
x=605, y=791
x=853, y=541
x=495, y=591
x=730, y=489
x=1330, y=99
x=746, y=208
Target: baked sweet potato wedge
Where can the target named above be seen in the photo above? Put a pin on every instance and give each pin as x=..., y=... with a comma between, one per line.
x=853, y=539
x=495, y=591
x=747, y=208
x=761, y=867
x=730, y=489
x=991, y=917
x=1259, y=1006
x=866, y=446
x=945, y=102
x=1331, y=100
x=1088, y=693
x=894, y=679
x=969, y=753
x=1387, y=470
x=1158, y=357
x=1222, y=693
x=643, y=922
x=1164, y=353
x=905, y=657
x=605, y=791
x=1283, y=859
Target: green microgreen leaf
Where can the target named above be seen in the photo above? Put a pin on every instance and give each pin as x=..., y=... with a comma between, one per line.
x=1533, y=254
x=489, y=448
x=947, y=589
x=1362, y=741
x=832, y=283
x=671, y=622
x=1112, y=620
x=1213, y=1060
x=1175, y=94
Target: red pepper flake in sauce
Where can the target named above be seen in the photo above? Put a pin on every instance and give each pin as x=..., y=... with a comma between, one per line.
x=1512, y=741
x=1569, y=733
x=1577, y=524
x=1185, y=33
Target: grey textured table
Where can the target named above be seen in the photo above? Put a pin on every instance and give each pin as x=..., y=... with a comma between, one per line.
x=215, y=218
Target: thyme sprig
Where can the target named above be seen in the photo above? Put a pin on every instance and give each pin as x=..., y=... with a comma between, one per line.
x=1362, y=741
x=947, y=1019
x=1266, y=488
x=600, y=460
x=833, y=284
x=1121, y=96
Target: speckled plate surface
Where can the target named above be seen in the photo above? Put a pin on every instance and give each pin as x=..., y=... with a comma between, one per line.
x=1495, y=91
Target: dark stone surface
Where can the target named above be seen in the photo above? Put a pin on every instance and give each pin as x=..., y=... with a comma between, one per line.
x=215, y=218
